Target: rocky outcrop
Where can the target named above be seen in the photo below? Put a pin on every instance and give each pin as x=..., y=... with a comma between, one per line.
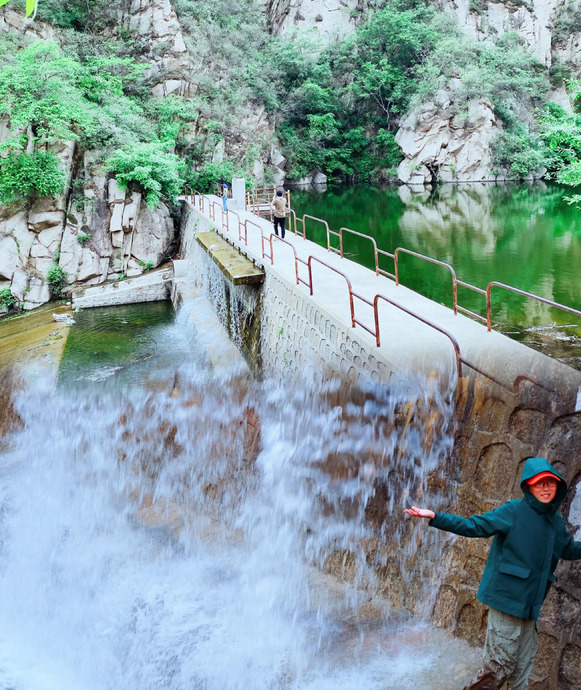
x=105, y=233
x=156, y=22
x=531, y=20
x=104, y=236
x=440, y=144
x=331, y=18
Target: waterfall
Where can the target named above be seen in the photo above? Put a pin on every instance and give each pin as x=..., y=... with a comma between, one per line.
x=178, y=532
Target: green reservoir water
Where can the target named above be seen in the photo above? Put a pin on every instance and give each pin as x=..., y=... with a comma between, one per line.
x=522, y=235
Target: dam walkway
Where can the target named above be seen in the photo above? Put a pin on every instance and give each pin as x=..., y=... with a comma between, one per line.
x=411, y=331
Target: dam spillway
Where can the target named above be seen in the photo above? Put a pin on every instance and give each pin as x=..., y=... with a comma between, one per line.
x=173, y=529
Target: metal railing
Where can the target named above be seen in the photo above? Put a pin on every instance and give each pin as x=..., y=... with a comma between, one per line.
x=261, y=198
x=530, y=295
x=485, y=292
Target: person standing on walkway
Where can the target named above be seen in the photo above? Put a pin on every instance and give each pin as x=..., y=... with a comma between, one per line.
x=225, y=196
x=278, y=208
x=529, y=539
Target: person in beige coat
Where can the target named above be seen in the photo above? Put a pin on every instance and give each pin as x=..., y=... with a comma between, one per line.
x=278, y=208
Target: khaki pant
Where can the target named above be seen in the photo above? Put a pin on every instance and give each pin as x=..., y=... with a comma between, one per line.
x=509, y=653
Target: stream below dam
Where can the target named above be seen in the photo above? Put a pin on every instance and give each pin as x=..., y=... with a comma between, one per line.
x=164, y=528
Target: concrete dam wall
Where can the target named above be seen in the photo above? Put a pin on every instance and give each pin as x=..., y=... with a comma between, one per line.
x=471, y=439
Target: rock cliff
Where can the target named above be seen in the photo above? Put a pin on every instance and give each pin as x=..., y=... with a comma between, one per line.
x=438, y=143
x=95, y=232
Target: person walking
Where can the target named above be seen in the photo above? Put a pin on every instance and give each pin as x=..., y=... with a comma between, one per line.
x=278, y=208
x=530, y=537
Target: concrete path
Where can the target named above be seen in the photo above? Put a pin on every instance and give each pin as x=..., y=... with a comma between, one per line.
x=405, y=341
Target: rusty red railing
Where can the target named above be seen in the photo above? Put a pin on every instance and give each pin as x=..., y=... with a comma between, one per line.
x=530, y=295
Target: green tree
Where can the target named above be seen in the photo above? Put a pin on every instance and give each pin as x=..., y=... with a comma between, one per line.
x=26, y=175
x=154, y=169
x=40, y=96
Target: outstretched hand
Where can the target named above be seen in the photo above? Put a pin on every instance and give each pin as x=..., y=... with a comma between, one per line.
x=414, y=511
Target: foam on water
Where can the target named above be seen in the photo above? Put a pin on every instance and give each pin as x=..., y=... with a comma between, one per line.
x=233, y=593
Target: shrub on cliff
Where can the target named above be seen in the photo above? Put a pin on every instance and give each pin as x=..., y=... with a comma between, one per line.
x=30, y=175
x=150, y=166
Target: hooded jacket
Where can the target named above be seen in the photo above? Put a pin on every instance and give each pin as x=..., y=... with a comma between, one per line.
x=529, y=539
x=278, y=205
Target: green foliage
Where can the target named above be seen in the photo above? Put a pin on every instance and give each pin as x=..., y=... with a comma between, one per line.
x=29, y=175
x=575, y=94
x=174, y=114
x=561, y=134
x=387, y=51
x=57, y=279
x=84, y=238
x=154, y=169
x=341, y=108
x=38, y=93
x=209, y=176
x=519, y=152
x=571, y=176
x=504, y=72
x=7, y=299
x=567, y=21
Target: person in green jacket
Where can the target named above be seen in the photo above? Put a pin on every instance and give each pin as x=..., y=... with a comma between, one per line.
x=530, y=537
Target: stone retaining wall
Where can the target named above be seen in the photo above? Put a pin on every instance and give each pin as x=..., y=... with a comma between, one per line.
x=153, y=287
x=298, y=337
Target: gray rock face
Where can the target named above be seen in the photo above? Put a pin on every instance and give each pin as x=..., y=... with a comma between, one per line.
x=531, y=20
x=157, y=22
x=330, y=18
x=113, y=234
x=438, y=145
x=154, y=232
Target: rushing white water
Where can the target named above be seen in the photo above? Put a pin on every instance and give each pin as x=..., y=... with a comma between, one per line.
x=177, y=536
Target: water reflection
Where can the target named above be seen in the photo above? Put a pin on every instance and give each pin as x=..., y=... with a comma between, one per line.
x=435, y=220
x=523, y=235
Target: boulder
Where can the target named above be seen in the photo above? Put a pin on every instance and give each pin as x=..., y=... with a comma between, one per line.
x=9, y=257
x=117, y=239
x=153, y=234
x=130, y=212
x=19, y=284
x=50, y=238
x=116, y=223
x=38, y=293
x=133, y=269
x=39, y=221
x=114, y=192
x=71, y=253
x=91, y=266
